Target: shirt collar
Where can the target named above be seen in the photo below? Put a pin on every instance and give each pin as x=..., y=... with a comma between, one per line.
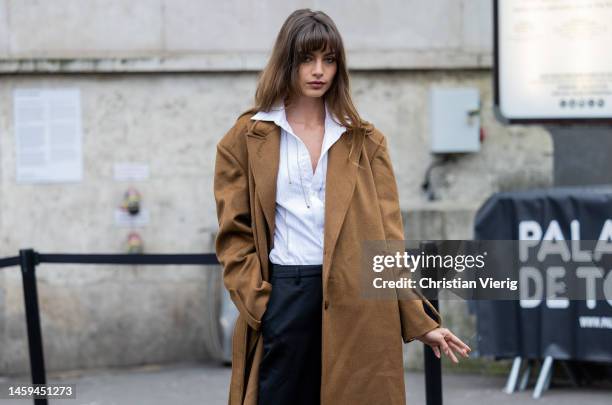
x=333, y=130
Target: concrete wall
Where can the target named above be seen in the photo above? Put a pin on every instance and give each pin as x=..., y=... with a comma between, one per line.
x=154, y=35
x=161, y=82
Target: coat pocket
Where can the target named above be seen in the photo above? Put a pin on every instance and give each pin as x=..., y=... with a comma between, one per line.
x=253, y=322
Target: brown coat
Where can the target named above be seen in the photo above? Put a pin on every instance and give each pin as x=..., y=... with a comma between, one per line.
x=362, y=360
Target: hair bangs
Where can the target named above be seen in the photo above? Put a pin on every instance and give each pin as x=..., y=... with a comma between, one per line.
x=316, y=37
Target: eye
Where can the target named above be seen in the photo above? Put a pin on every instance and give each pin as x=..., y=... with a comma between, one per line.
x=306, y=58
x=330, y=59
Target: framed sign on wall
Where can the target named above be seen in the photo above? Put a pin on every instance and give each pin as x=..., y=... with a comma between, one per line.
x=552, y=61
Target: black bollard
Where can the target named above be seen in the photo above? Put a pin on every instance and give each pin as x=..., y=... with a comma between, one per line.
x=433, y=365
x=27, y=259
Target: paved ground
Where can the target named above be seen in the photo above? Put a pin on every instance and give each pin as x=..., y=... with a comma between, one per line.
x=208, y=384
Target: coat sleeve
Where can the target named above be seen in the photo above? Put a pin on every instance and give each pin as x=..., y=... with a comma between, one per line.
x=415, y=321
x=235, y=243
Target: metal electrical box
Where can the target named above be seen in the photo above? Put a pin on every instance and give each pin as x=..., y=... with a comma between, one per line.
x=454, y=119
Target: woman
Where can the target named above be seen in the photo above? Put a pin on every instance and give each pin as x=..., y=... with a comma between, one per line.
x=300, y=181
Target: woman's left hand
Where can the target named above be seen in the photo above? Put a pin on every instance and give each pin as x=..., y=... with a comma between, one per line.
x=442, y=338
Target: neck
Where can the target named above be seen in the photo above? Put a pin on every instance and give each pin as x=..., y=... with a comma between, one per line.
x=306, y=110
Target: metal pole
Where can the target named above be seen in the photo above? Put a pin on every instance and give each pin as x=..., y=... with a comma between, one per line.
x=27, y=259
x=433, y=365
x=514, y=375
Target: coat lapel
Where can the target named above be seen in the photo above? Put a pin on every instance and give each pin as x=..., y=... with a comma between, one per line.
x=339, y=186
x=263, y=143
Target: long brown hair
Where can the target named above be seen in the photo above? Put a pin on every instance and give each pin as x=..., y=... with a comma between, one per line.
x=303, y=32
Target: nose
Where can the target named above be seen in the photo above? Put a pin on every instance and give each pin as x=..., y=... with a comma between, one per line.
x=318, y=68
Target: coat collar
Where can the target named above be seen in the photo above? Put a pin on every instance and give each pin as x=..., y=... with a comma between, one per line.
x=263, y=143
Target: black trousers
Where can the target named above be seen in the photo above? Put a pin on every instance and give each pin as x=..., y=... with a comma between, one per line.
x=290, y=371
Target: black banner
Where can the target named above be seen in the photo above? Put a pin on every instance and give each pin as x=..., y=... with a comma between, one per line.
x=581, y=330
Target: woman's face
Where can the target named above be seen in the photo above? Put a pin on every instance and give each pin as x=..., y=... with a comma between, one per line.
x=316, y=73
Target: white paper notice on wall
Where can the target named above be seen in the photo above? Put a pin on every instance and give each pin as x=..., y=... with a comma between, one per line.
x=48, y=135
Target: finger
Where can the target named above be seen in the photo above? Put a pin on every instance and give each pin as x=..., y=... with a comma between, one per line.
x=444, y=346
x=458, y=348
x=449, y=353
x=452, y=338
x=456, y=344
x=436, y=351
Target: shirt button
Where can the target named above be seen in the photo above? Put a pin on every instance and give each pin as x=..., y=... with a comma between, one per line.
x=326, y=305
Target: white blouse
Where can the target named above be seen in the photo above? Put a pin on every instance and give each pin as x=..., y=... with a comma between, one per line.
x=300, y=193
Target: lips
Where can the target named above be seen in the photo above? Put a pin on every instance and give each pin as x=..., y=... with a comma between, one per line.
x=316, y=83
